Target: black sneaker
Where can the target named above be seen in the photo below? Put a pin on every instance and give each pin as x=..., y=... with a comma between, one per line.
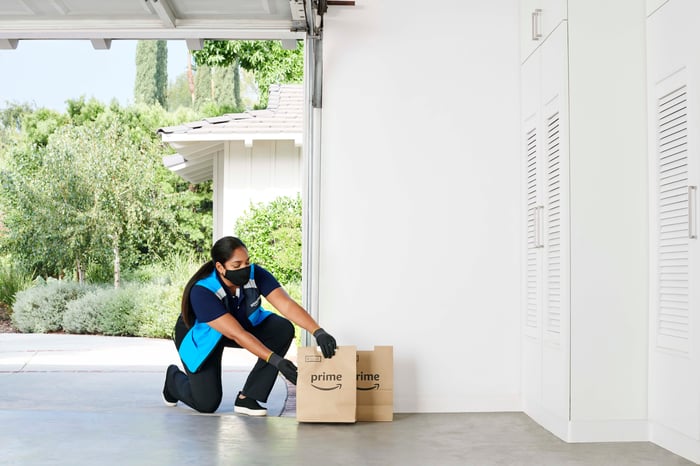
x=248, y=406
x=168, y=399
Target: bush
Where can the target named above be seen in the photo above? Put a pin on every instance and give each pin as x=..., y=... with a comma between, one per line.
x=41, y=308
x=12, y=281
x=119, y=315
x=272, y=233
x=84, y=315
x=157, y=309
x=134, y=310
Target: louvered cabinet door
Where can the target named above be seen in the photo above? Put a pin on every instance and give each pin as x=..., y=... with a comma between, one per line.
x=675, y=316
x=556, y=302
x=674, y=161
x=555, y=114
x=533, y=186
x=675, y=198
x=533, y=234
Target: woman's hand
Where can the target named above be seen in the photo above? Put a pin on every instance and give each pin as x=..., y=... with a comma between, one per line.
x=326, y=342
x=285, y=366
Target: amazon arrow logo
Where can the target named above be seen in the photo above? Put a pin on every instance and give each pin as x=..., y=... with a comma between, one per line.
x=325, y=389
x=373, y=387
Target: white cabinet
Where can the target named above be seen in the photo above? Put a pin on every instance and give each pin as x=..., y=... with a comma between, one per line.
x=674, y=166
x=585, y=257
x=538, y=19
x=545, y=159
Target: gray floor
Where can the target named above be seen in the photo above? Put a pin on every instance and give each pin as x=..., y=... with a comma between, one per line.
x=94, y=400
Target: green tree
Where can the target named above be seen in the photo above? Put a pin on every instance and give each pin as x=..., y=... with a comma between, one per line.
x=237, y=100
x=12, y=115
x=179, y=93
x=272, y=233
x=270, y=63
x=97, y=192
x=222, y=85
x=203, y=93
x=92, y=197
x=151, y=83
x=81, y=111
x=41, y=124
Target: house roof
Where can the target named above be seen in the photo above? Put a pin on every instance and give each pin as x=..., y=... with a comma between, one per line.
x=198, y=142
x=282, y=119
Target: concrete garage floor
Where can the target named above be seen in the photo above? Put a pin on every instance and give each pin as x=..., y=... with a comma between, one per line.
x=74, y=400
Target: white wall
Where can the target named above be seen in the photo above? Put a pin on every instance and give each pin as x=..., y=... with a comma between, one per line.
x=420, y=196
x=251, y=175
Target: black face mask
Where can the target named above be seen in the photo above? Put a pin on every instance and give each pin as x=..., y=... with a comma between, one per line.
x=238, y=277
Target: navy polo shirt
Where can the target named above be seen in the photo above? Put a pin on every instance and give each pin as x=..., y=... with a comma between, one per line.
x=207, y=306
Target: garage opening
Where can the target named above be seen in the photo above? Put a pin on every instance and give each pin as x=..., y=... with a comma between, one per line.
x=287, y=22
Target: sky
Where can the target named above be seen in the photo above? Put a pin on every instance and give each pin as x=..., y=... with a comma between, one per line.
x=47, y=73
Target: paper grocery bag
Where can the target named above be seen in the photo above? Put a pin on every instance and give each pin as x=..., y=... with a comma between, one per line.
x=326, y=387
x=375, y=384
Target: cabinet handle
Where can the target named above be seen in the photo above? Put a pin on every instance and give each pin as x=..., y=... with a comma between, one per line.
x=539, y=210
x=535, y=18
x=536, y=225
x=692, y=219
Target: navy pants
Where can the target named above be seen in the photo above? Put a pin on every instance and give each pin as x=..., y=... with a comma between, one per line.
x=202, y=390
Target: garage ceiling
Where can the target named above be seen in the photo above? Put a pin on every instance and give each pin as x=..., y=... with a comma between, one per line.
x=194, y=20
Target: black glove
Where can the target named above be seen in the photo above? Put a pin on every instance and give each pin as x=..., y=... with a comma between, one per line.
x=285, y=366
x=326, y=342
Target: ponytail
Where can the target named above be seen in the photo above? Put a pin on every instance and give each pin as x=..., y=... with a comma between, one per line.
x=186, y=309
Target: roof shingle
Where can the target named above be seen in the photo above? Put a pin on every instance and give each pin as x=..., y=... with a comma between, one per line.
x=284, y=114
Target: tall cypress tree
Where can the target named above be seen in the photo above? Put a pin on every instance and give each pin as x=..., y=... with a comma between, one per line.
x=237, y=101
x=161, y=77
x=223, y=82
x=151, y=84
x=202, y=86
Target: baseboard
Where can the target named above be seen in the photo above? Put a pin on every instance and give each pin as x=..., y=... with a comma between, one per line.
x=633, y=430
x=675, y=442
x=636, y=430
x=468, y=404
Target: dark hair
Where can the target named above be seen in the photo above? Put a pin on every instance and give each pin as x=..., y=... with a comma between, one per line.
x=221, y=252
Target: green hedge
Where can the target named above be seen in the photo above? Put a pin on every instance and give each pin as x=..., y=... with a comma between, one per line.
x=40, y=309
x=135, y=310
x=148, y=310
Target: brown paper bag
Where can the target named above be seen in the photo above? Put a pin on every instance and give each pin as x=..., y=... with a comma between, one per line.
x=375, y=384
x=326, y=387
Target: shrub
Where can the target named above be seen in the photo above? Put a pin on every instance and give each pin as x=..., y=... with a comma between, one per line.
x=272, y=233
x=157, y=309
x=41, y=308
x=119, y=315
x=134, y=310
x=84, y=315
x=12, y=281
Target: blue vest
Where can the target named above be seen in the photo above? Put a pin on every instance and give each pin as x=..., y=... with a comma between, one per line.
x=201, y=339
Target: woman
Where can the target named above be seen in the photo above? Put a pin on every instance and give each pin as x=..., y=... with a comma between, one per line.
x=221, y=307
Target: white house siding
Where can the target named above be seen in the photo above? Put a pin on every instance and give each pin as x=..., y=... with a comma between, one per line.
x=255, y=174
x=420, y=196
